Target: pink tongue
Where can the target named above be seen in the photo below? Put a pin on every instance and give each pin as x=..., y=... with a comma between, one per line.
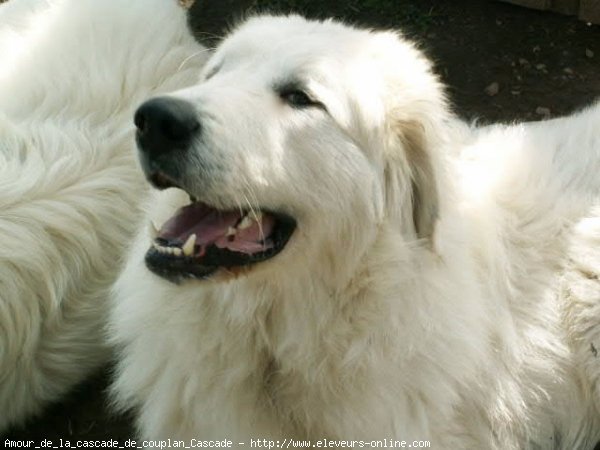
x=211, y=227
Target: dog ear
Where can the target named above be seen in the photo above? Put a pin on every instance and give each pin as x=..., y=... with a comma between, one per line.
x=417, y=126
x=412, y=176
x=209, y=19
x=424, y=177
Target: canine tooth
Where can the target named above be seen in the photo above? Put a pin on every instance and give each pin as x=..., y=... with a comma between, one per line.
x=246, y=222
x=231, y=231
x=153, y=230
x=188, y=247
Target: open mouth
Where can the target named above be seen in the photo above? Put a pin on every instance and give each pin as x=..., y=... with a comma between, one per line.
x=200, y=240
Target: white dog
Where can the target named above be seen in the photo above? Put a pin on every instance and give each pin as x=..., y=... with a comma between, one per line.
x=356, y=264
x=72, y=73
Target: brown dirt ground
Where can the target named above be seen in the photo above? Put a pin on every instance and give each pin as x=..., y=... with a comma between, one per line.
x=539, y=60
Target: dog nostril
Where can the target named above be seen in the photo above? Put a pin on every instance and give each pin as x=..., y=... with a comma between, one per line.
x=177, y=130
x=140, y=121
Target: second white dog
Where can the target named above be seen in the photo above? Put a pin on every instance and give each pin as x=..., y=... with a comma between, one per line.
x=71, y=75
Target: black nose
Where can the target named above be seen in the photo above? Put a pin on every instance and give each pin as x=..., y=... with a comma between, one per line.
x=165, y=124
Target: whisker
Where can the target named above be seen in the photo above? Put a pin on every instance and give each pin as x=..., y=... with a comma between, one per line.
x=253, y=205
x=254, y=212
x=194, y=55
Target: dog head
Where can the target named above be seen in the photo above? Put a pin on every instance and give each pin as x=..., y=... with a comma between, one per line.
x=301, y=138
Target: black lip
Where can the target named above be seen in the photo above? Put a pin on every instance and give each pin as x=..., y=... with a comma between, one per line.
x=178, y=269
x=161, y=181
x=160, y=174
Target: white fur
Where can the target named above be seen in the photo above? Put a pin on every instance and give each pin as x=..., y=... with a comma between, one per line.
x=417, y=299
x=69, y=185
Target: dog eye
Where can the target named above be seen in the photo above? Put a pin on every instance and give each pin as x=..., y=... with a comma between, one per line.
x=298, y=99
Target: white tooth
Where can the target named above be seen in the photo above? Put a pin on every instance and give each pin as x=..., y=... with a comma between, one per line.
x=177, y=252
x=246, y=222
x=153, y=230
x=231, y=231
x=188, y=247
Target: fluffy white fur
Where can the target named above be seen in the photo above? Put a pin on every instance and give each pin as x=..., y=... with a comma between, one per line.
x=419, y=297
x=72, y=72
